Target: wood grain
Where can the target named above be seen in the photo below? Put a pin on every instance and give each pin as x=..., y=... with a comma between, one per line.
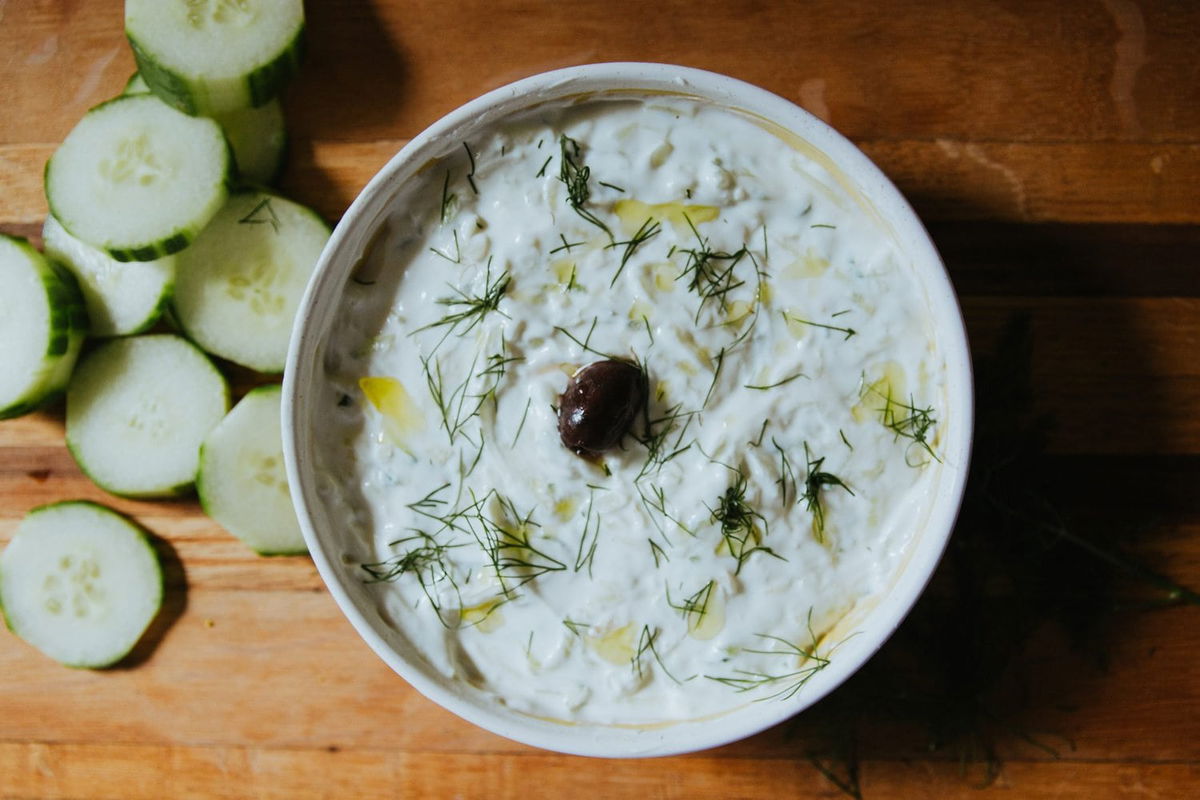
x=1054, y=152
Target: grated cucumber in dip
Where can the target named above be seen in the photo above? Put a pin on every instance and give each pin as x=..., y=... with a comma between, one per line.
x=785, y=458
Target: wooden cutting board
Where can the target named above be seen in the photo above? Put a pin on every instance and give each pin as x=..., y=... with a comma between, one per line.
x=1054, y=151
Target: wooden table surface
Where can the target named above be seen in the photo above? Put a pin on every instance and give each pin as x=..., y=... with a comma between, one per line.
x=1053, y=149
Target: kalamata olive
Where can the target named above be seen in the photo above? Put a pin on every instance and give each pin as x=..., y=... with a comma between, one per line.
x=599, y=406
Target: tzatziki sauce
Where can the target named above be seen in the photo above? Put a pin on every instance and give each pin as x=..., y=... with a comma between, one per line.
x=766, y=491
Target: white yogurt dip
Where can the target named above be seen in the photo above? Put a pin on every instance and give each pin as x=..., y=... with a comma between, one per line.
x=787, y=457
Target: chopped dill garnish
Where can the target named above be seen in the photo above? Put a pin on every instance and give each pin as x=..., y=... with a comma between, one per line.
x=658, y=553
x=471, y=174
x=848, y=331
x=473, y=308
x=823, y=225
x=575, y=627
x=565, y=245
x=908, y=421
x=792, y=681
x=648, y=230
x=448, y=198
x=656, y=438
x=788, y=379
x=541, y=173
x=426, y=561
x=659, y=504
x=505, y=539
x=521, y=426
x=612, y=186
x=582, y=558
x=711, y=274
x=719, y=358
x=269, y=218
x=696, y=603
x=787, y=477
x=739, y=522
x=845, y=441
x=758, y=442
x=458, y=405
x=457, y=251
x=646, y=644
x=345, y=400
x=575, y=177
x=814, y=481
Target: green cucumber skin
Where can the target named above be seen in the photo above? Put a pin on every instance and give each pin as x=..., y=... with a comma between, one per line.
x=259, y=86
x=146, y=541
x=68, y=318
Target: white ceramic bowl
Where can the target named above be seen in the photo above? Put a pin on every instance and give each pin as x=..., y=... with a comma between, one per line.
x=350, y=239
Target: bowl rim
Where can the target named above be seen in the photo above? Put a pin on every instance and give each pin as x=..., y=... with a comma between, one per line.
x=925, y=551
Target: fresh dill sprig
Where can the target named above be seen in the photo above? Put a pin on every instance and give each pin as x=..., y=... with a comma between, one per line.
x=471, y=174
x=814, y=481
x=792, y=318
x=505, y=539
x=521, y=426
x=457, y=259
x=565, y=245
x=648, y=230
x=473, y=308
x=612, y=186
x=646, y=644
x=787, y=476
x=696, y=603
x=908, y=421
x=792, y=681
x=823, y=225
x=762, y=432
x=845, y=441
x=657, y=551
x=458, y=405
x=576, y=627
x=574, y=176
x=269, y=218
x=711, y=274
x=426, y=561
x=448, y=198
x=587, y=552
x=658, y=441
x=739, y=522
x=541, y=173
x=786, y=380
x=659, y=504
x=719, y=359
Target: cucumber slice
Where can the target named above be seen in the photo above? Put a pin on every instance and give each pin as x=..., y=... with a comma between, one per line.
x=42, y=325
x=213, y=56
x=242, y=484
x=138, y=409
x=80, y=582
x=237, y=288
x=137, y=178
x=121, y=297
x=258, y=139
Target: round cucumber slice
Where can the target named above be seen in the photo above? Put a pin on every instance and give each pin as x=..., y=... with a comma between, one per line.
x=213, y=56
x=242, y=484
x=42, y=326
x=138, y=179
x=238, y=287
x=138, y=409
x=121, y=297
x=80, y=582
x=258, y=138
